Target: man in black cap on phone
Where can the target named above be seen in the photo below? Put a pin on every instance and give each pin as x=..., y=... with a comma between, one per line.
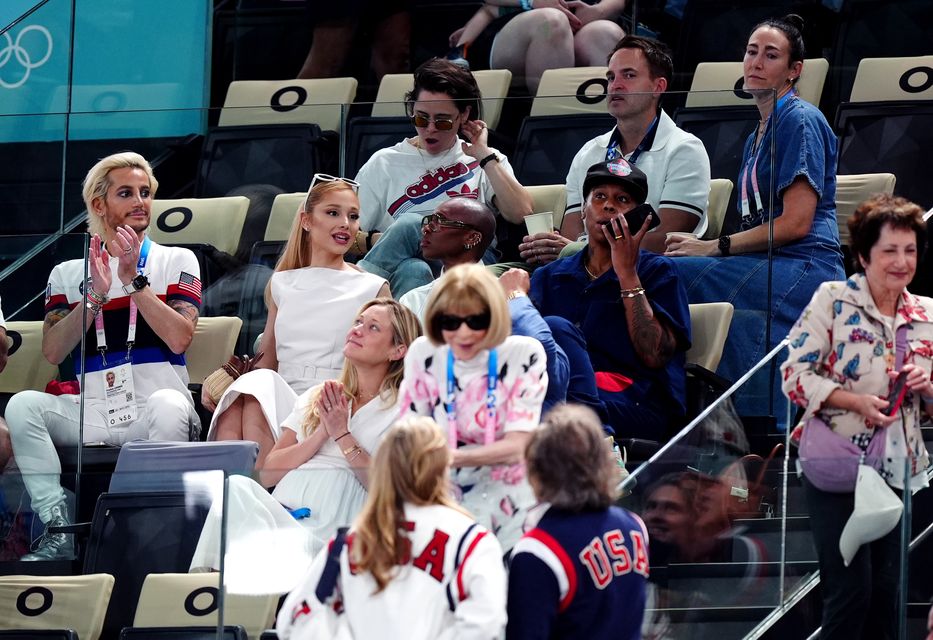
x=619, y=312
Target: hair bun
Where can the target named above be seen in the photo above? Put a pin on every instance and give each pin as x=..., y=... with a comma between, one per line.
x=794, y=20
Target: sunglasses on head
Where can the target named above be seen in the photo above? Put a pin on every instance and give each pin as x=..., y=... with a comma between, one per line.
x=323, y=177
x=477, y=321
x=441, y=124
x=434, y=221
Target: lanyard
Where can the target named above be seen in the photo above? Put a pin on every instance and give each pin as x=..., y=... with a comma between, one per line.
x=614, y=152
x=451, y=404
x=759, y=207
x=131, y=330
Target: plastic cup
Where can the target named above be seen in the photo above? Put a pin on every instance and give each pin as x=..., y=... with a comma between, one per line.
x=540, y=222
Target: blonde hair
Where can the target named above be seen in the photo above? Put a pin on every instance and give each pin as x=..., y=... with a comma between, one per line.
x=297, y=252
x=463, y=288
x=411, y=465
x=405, y=328
x=97, y=182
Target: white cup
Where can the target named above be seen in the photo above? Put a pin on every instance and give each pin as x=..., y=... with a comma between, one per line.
x=540, y=222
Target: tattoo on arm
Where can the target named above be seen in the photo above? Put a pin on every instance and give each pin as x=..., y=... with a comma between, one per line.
x=186, y=309
x=653, y=342
x=52, y=318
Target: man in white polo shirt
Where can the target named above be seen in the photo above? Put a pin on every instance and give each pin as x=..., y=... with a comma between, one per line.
x=675, y=161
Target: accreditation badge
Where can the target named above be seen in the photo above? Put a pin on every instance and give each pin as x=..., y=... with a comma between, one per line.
x=120, y=394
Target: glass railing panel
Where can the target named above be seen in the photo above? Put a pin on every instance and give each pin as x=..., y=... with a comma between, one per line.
x=131, y=540
x=712, y=501
x=31, y=369
x=272, y=535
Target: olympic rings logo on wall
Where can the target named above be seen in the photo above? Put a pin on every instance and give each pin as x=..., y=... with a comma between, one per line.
x=15, y=55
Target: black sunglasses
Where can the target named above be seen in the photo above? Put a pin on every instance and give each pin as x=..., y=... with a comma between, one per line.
x=477, y=321
x=441, y=124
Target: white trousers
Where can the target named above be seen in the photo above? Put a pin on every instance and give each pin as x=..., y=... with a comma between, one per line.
x=39, y=421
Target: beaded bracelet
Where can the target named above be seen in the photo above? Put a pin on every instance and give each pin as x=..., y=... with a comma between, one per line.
x=92, y=307
x=96, y=298
x=632, y=293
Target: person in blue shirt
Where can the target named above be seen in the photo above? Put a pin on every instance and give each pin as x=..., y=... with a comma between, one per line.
x=582, y=571
x=618, y=312
x=788, y=177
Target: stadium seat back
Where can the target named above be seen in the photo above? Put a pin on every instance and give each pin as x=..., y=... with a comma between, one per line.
x=718, y=84
x=572, y=91
x=214, y=221
x=262, y=102
x=55, y=602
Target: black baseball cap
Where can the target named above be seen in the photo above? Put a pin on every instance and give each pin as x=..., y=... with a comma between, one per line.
x=621, y=172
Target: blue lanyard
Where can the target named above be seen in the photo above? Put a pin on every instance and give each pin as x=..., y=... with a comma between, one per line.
x=614, y=152
x=450, y=405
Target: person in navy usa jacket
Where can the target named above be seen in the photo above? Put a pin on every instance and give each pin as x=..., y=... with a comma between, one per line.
x=581, y=572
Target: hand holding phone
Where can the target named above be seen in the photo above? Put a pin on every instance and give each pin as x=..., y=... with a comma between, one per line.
x=636, y=218
x=896, y=397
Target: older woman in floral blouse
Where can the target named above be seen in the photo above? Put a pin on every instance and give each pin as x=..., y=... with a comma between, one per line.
x=840, y=369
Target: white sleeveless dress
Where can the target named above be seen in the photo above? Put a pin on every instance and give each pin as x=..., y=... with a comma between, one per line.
x=316, y=307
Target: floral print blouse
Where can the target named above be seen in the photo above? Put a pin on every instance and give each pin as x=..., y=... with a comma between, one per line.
x=520, y=388
x=842, y=341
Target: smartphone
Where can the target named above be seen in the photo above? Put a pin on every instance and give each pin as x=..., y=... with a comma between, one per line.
x=636, y=217
x=896, y=397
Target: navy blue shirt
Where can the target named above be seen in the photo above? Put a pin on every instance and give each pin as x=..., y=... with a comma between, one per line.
x=579, y=575
x=562, y=288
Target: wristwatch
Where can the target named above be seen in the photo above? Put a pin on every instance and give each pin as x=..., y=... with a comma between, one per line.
x=492, y=157
x=138, y=283
x=725, y=243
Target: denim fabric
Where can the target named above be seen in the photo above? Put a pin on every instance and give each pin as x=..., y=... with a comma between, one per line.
x=397, y=256
x=526, y=321
x=806, y=146
x=595, y=337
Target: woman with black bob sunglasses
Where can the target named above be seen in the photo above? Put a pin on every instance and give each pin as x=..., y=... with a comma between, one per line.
x=448, y=156
x=485, y=388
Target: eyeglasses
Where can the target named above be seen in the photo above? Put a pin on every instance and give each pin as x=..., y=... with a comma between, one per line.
x=433, y=222
x=441, y=124
x=323, y=177
x=477, y=321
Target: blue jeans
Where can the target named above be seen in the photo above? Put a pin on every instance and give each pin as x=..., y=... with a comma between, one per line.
x=397, y=256
x=743, y=281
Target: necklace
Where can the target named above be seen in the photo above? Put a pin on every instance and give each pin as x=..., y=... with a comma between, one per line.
x=592, y=275
x=365, y=397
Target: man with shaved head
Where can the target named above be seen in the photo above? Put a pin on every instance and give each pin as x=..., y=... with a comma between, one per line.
x=459, y=232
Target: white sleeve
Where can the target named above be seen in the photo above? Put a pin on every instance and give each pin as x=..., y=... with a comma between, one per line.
x=297, y=416
x=575, y=181
x=686, y=183
x=480, y=613
x=374, y=210
x=301, y=604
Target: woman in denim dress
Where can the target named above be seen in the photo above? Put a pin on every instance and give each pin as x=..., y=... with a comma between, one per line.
x=788, y=175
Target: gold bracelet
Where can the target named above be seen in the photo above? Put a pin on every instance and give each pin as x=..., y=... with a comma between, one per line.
x=355, y=447
x=356, y=455
x=632, y=293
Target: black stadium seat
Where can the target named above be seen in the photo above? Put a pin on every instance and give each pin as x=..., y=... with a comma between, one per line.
x=892, y=137
x=547, y=144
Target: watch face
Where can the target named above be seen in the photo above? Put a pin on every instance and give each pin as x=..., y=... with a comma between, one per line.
x=140, y=282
